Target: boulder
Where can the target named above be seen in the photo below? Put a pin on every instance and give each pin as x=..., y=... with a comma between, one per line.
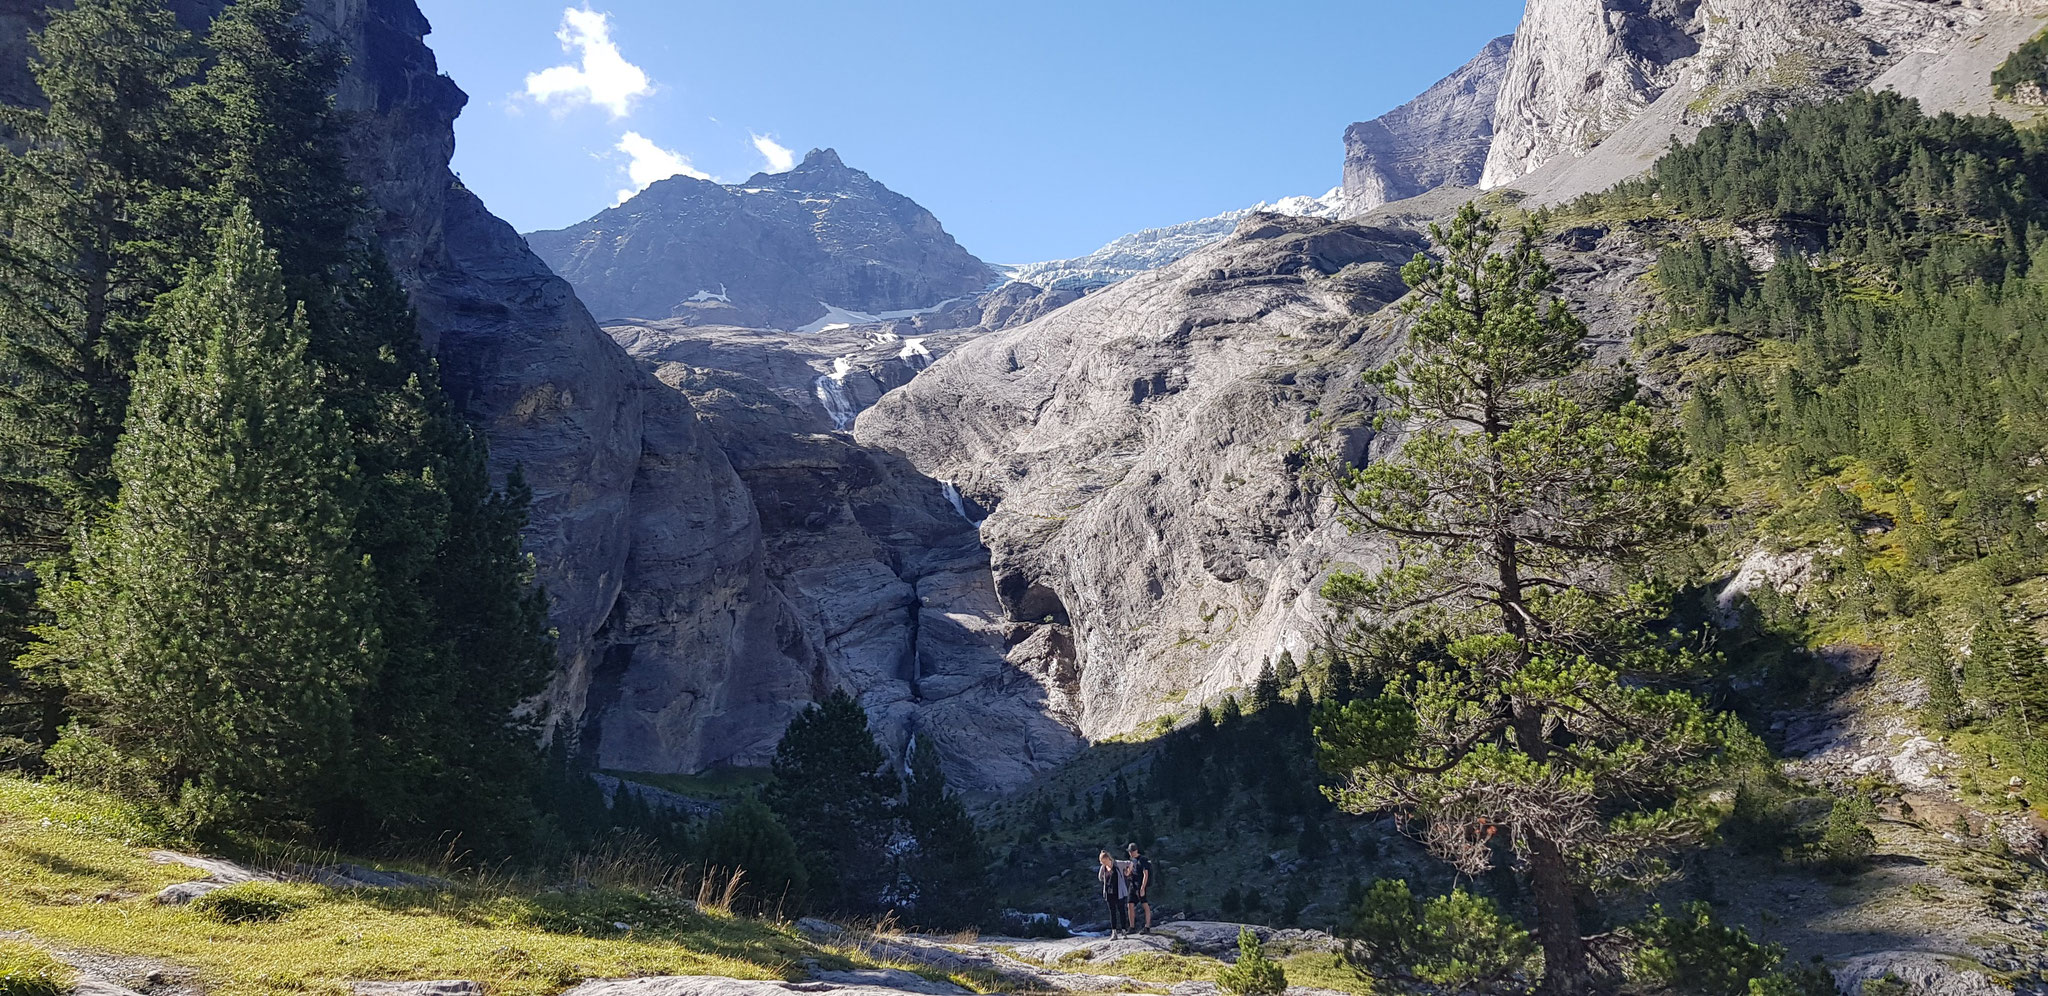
x=445, y=987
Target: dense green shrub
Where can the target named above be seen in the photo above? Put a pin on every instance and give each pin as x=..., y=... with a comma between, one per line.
x=1458, y=941
x=1691, y=953
x=747, y=837
x=1761, y=820
x=251, y=902
x=1254, y=974
x=1846, y=844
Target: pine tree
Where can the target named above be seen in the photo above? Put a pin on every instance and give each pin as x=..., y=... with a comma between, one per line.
x=1285, y=671
x=950, y=871
x=436, y=746
x=86, y=185
x=1341, y=687
x=217, y=627
x=1519, y=503
x=831, y=790
x=1265, y=688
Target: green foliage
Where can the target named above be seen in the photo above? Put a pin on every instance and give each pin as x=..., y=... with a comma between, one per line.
x=949, y=870
x=27, y=970
x=93, y=223
x=746, y=837
x=832, y=792
x=2027, y=64
x=1525, y=500
x=1459, y=941
x=251, y=902
x=1846, y=842
x=1762, y=819
x=1882, y=390
x=1254, y=974
x=217, y=622
x=1693, y=954
x=112, y=194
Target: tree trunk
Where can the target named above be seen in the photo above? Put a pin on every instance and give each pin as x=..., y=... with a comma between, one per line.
x=1565, y=972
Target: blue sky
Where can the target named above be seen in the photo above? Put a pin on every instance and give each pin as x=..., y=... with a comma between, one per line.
x=1034, y=131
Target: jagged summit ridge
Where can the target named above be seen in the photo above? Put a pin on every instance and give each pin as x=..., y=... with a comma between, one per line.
x=780, y=250
x=1441, y=137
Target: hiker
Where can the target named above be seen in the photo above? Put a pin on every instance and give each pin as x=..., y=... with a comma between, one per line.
x=1112, y=893
x=1140, y=877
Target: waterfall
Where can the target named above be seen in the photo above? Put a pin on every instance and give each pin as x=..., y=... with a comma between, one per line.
x=959, y=502
x=831, y=389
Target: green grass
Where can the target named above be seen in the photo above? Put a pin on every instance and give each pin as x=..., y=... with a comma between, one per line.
x=74, y=873
x=27, y=970
x=1317, y=970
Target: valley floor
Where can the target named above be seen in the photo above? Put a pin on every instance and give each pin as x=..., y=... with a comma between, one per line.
x=84, y=881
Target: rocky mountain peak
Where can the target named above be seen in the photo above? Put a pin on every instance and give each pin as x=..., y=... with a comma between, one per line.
x=1441, y=137
x=793, y=250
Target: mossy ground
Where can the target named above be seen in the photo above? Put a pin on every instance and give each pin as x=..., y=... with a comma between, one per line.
x=75, y=874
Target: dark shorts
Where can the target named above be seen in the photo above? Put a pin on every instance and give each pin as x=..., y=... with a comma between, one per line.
x=1139, y=898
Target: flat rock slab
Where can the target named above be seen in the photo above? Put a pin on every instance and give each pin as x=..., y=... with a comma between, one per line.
x=442, y=987
x=1926, y=972
x=713, y=985
x=218, y=869
x=1094, y=949
x=100, y=987
x=890, y=978
x=183, y=893
x=220, y=872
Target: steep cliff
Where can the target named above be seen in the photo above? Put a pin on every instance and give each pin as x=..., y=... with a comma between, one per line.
x=1441, y=137
x=1611, y=82
x=821, y=244
x=1137, y=451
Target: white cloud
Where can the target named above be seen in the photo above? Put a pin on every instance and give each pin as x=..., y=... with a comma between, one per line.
x=650, y=164
x=602, y=76
x=780, y=160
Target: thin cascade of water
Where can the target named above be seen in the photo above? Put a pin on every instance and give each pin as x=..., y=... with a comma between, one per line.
x=831, y=391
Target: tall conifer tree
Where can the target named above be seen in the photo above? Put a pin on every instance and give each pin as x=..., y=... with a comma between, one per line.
x=1519, y=504
x=217, y=626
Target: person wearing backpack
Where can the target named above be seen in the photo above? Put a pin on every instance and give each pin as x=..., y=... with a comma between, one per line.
x=1140, y=876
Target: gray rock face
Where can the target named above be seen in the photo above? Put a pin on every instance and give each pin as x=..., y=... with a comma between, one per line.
x=779, y=251
x=883, y=569
x=1625, y=76
x=1441, y=137
x=1150, y=535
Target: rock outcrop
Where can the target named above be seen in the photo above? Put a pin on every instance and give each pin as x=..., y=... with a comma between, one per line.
x=1613, y=81
x=881, y=564
x=820, y=245
x=1441, y=137
x=1139, y=452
